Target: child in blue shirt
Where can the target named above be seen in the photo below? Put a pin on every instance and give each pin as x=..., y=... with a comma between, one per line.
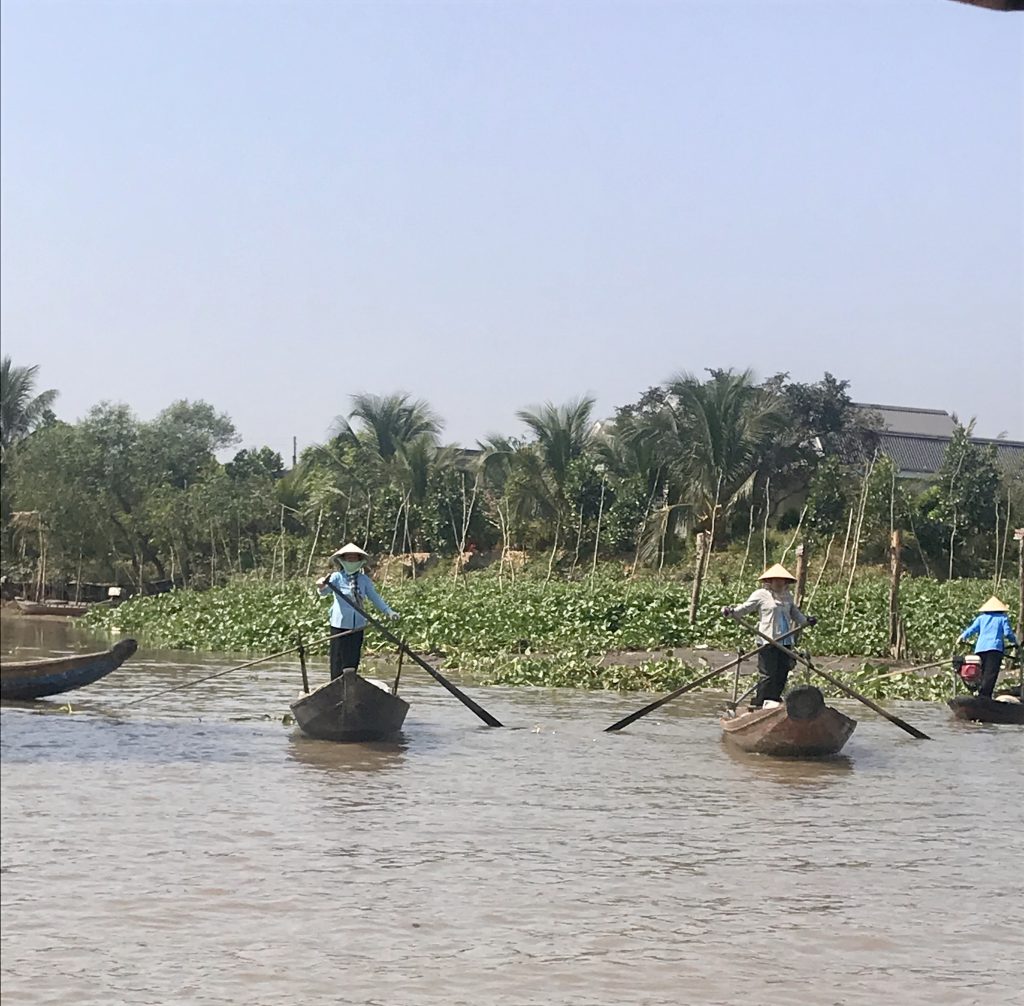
x=992, y=627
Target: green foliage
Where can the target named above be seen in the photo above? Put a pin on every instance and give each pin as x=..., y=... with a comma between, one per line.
x=111, y=498
x=956, y=516
x=546, y=633
x=22, y=409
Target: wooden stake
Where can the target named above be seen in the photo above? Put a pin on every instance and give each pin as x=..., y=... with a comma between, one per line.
x=1018, y=536
x=698, y=574
x=302, y=665
x=398, y=675
x=895, y=572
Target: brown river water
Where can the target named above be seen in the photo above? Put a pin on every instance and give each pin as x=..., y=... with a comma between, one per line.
x=195, y=849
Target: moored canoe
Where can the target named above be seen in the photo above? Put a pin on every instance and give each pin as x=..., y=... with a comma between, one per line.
x=69, y=609
x=35, y=679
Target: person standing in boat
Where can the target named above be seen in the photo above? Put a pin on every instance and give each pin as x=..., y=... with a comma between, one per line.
x=777, y=614
x=351, y=581
x=993, y=629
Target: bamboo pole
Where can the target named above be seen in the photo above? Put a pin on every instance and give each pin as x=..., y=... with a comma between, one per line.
x=710, y=543
x=1018, y=536
x=895, y=572
x=767, y=514
x=750, y=536
x=796, y=534
x=597, y=533
x=554, y=551
x=802, y=555
x=846, y=542
x=821, y=571
x=856, y=539
x=316, y=540
x=701, y=545
x=579, y=541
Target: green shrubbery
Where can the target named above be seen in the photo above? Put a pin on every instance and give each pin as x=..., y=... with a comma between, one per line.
x=532, y=632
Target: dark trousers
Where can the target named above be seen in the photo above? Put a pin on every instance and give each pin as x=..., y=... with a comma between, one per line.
x=345, y=651
x=774, y=667
x=991, y=662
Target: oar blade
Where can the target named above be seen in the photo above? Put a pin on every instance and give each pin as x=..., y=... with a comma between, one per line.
x=633, y=717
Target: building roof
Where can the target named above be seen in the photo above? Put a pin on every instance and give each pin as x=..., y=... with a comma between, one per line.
x=901, y=419
x=916, y=439
x=920, y=456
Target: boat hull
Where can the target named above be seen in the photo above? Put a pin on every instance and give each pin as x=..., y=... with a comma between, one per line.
x=350, y=708
x=36, y=679
x=66, y=608
x=984, y=710
x=802, y=727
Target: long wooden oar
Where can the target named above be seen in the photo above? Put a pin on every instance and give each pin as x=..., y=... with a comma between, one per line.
x=682, y=690
x=436, y=675
x=914, y=670
x=239, y=667
x=902, y=724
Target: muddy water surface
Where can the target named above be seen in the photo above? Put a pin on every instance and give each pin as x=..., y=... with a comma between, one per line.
x=195, y=849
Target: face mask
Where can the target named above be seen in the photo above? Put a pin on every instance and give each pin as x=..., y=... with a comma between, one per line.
x=351, y=567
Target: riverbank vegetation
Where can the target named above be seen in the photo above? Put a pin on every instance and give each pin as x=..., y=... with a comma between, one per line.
x=608, y=533
x=605, y=631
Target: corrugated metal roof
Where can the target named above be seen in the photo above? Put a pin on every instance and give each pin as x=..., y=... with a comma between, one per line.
x=921, y=456
x=900, y=419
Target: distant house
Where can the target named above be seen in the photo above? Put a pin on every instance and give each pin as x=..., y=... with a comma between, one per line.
x=916, y=440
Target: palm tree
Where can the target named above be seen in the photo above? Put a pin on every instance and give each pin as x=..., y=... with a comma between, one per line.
x=389, y=423
x=563, y=433
x=21, y=411
x=713, y=438
x=401, y=436
x=564, y=436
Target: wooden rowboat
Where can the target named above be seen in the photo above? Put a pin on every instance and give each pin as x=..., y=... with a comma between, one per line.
x=34, y=679
x=1005, y=709
x=350, y=708
x=69, y=609
x=803, y=726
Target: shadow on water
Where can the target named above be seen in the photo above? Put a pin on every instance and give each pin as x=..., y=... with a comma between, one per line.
x=791, y=771
x=334, y=757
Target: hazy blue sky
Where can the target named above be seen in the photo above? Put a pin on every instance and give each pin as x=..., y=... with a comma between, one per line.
x=271, y=206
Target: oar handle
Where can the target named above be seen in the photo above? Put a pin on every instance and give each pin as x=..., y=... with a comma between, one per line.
x=902, y=724
x=490, y=720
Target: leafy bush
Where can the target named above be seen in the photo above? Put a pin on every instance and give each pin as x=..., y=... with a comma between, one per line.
x=481, y=621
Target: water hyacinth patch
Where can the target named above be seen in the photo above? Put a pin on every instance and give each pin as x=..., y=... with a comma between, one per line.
x=551, y=633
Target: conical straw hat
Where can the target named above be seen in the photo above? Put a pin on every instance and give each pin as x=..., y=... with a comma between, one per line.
x=350, y=549
x=993, y=604
x=777, y=572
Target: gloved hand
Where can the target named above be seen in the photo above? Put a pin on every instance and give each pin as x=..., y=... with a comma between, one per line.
x=394, y=616
x=727, y=612
x=812, y=621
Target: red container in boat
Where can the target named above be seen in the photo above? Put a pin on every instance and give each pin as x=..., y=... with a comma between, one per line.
x=970, y=673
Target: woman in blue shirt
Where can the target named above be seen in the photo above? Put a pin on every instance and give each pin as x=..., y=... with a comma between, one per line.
x=992, y=627
x=353, y=583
